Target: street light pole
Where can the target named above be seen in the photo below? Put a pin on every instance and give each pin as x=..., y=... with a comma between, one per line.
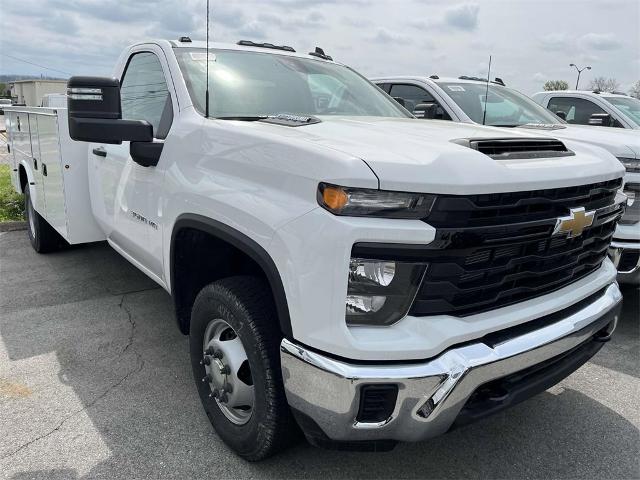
x=579, y=72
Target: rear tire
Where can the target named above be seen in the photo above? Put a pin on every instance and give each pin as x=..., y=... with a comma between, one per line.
x=241, y=308
x=42, y=236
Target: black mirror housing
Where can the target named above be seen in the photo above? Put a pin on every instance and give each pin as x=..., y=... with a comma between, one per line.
x=561, y=114
x=106, y=130
x=94, y=97
x=426, y=110
x=602, y=119
x=95, y=115
x=146, y=154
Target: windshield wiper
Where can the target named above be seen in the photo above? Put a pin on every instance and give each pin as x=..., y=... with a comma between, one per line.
x=543, y=126
x=243, y=118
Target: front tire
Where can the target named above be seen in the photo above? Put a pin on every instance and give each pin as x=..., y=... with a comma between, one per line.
x=42, y=236
x=235, y=355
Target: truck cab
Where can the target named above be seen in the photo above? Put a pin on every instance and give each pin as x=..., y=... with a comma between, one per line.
x=463, y=100
x=604, y=109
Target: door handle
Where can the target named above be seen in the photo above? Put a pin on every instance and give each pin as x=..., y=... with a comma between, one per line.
x=100, y=151
x=44, y=169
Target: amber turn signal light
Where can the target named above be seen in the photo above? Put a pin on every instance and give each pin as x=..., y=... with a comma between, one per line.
x=335, y=198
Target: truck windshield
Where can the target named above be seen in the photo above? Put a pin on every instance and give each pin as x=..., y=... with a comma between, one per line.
x=628, y=105
x=505, y=107
x=246, y=85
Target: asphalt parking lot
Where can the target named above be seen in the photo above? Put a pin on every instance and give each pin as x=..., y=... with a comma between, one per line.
x=95, y=383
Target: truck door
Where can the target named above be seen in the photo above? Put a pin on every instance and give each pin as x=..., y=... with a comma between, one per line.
x=125, y=196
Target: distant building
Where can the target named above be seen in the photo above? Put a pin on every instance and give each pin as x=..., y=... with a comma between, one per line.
x=30, y=92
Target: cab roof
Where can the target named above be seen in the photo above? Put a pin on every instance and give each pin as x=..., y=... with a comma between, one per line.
x=585, y=92
x=255, y=47
x=432, y=79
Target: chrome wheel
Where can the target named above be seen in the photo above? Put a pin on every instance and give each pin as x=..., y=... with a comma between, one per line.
x=227, y=372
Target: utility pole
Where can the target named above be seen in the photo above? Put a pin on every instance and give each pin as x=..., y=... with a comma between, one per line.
x=579, y=72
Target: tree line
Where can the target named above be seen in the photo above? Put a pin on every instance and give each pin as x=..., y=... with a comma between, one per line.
x=601, y=84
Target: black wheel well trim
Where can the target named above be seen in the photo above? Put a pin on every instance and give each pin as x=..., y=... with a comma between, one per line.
x=24, y=183
x=246, y=245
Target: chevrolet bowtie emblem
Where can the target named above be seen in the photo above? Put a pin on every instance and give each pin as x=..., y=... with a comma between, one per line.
x=574, y=224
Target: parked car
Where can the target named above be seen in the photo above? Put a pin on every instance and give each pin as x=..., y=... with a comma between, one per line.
x=463, y=100
x=602, y=109
x=336, y=264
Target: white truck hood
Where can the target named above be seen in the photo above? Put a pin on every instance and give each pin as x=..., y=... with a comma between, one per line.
x=620, y=142
x=418, y=155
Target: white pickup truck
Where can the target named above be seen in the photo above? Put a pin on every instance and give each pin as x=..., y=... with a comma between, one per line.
x=462, y=100
x=339, y=266
x=582, y=107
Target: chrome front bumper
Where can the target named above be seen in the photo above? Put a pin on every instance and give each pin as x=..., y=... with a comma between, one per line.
x=625, y=255
x=324, y=393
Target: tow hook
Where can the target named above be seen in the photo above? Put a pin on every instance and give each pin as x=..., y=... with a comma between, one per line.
x=606, y=333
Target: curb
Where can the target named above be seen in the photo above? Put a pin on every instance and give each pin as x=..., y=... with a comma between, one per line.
x=12, y=226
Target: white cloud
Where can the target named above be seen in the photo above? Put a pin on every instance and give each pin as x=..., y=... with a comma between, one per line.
x=600, y=41
x=385, y=36
x=556, y=42
x=539, y=77
x=463, y=16
x=448, y=38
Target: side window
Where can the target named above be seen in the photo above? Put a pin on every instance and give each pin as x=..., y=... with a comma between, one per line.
x=576, y=110
x=144, y=93
x=413, y=96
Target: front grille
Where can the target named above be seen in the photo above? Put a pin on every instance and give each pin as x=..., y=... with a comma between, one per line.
x=628, y=261
x=497, y=250
x=512, y=207
x=632, y=215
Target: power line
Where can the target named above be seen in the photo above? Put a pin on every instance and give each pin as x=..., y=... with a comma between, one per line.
x=33, y=63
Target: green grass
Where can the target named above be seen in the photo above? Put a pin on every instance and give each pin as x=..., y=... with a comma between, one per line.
x=11, y=203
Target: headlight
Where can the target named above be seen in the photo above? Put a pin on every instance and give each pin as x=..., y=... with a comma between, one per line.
x=380, y=292
x=630, y=164
x=369, y=202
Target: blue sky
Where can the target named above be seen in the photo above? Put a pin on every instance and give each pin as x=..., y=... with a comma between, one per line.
x=531, y=41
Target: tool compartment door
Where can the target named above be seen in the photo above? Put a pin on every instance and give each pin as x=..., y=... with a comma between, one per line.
x=51, y=165
x=39, y=201
x=18, y=135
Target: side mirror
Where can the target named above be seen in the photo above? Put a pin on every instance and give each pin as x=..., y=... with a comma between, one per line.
x=561, y=114
x=601, y=119
x=94, y=113
x=400, y=100
x=426, y=110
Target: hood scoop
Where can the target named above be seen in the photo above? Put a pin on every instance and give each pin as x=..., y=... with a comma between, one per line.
x=517, y=148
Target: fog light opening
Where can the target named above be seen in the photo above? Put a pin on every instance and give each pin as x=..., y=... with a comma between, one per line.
x=363, y=304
